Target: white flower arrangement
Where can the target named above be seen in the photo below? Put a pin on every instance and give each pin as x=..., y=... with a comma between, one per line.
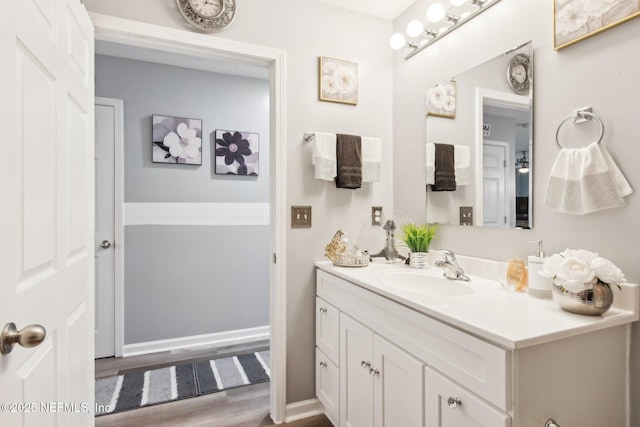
x=578, y=270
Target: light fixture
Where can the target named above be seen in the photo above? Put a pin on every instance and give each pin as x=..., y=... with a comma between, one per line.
x=522, y=164
x=440, y=21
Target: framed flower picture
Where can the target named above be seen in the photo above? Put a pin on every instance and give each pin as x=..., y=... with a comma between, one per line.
x=575, y=20
x=441, y=100
x=237, y=153
x=338, y=80
x=177, y=140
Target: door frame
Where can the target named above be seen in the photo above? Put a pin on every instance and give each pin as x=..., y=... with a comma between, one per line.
x=118, y=220
x=124, y=31
x=491, y=97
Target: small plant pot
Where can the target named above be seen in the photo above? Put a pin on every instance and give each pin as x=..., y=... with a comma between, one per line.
x=419, y=259
x=591, y=302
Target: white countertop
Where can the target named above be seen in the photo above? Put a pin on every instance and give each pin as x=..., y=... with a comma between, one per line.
x=506, y=318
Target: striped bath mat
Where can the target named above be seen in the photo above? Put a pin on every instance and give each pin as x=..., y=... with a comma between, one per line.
x=136, y=389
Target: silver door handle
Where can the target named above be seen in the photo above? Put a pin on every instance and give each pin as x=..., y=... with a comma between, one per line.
x=29, y=336
x=105, y=244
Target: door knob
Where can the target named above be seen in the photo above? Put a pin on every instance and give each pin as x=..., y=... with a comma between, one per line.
x=29, y=336
x=105, y=244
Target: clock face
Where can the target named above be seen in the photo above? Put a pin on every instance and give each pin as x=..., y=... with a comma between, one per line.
x=207, y=8
x=518, y=73
x=208, y=15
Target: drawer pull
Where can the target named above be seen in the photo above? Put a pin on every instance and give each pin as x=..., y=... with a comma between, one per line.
x=365, y=364
x=551, y=423
x=374, y=372
x=323, y=310
x=454, y=402
x=323, y=364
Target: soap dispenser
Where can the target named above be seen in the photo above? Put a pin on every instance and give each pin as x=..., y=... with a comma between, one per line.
x=539, y=286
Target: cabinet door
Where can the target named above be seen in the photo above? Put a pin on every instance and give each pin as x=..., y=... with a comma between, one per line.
x=449, y=405
x=398, y=386
x=328, y=385
x=328, y=329
x=356, y=381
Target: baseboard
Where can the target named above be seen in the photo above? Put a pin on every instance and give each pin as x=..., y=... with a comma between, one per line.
x=239, y=336
x=304, y=409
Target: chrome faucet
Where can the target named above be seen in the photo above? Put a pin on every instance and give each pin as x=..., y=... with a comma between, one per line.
x=450, y=266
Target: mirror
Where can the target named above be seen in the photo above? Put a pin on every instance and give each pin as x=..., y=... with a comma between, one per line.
x=490, y=127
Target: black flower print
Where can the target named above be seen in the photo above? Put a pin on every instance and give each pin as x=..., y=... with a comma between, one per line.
x=233, y=148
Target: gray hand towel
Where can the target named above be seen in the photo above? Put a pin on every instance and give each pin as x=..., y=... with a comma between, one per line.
x=349, y=159
x=445, y=173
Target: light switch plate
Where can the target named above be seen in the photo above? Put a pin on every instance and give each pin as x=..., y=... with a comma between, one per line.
x=466, y=215
x=300, y=216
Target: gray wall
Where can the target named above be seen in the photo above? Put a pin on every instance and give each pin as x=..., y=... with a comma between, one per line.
x=601, y=71
x=221, y=101
x=307, y=29
x=184, y=280
x=192, y=280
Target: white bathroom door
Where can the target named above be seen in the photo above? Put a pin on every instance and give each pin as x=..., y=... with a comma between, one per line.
x=108, y=122
x=494, y=185
x=46, y=183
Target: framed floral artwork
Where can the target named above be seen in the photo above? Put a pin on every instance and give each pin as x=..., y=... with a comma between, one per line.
x=338, y=80
x=441, y=100
x=575, y=20
x=237, y=153
x=177, y=140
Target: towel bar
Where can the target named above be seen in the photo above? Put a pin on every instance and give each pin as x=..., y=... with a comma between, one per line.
x=308, y=136
x=579, y=116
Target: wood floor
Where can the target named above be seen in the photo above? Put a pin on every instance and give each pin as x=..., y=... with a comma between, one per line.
x=240, y=407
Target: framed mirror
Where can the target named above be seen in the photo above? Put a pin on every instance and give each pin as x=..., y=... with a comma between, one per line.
x=490, y=129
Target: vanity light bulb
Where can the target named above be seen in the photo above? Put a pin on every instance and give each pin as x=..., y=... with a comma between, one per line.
x=414, y=28
x=435, y=12
x=397, y=41
x=457, y=2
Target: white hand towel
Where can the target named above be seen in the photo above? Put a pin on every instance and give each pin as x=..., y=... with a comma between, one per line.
x=582, y=181
x=324, y=156
x=431, y=163
x=462, y=164
x=371, y=159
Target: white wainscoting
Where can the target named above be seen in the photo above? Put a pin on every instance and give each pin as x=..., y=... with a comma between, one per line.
x=196, y=214
x=239, y=336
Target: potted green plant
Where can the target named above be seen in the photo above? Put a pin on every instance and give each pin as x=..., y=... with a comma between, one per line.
x=418, y=237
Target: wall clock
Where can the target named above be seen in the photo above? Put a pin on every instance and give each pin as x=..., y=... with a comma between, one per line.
x=518, y=73
x=208, y=15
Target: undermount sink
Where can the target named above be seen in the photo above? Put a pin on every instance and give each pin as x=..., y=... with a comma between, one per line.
x=423, y=284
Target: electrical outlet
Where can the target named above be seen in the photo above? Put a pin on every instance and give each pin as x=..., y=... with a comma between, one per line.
x=376, y=215
x=300, y=216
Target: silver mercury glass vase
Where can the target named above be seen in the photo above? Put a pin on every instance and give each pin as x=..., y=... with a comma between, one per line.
x=591, y=302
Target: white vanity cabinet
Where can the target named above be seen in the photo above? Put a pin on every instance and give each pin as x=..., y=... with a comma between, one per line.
x=382, y=362
x=380, y=385
x=328, y=358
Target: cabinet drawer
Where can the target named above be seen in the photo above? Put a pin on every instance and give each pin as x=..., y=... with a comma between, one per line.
x=328, y=386
x=468, y=411
x=328, y=330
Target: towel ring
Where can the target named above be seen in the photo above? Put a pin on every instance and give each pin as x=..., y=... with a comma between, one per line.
x=581, y=114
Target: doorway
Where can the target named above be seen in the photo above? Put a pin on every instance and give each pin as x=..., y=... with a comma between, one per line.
x=159, y=38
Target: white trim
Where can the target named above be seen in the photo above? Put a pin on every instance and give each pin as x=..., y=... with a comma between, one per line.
x=303, y=409
x=196, y=214
x=129, y=32
x=118, y=215
x=239, y=336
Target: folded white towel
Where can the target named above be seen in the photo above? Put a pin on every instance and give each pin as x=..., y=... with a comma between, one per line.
x=324, y=155
x=431, y=163
x=462, y=164
x=585, y=180
x=371, y=159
